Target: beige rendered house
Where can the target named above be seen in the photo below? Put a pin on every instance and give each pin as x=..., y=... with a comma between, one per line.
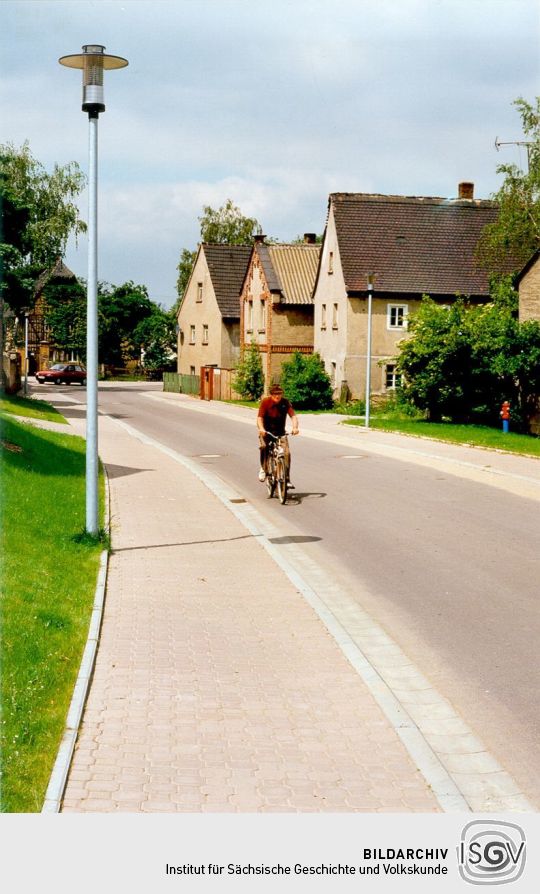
x=528, y=284
x=414, y=246
x=208, y=318
x=277, y=302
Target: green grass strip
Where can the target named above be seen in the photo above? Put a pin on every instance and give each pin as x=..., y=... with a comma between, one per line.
x=48, y=586
x=30, y=407
x=466, y=435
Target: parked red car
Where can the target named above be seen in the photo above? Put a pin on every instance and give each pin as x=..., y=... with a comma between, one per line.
x=62, y=373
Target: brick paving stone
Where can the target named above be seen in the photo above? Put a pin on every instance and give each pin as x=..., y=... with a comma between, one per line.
x=206, y=697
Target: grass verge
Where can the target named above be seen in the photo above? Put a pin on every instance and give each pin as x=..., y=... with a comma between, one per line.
x=48, y=586
x=31, y=408
x=466, y=435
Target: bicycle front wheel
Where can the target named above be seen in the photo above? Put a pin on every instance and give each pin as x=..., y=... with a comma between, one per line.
x=281, y=480
x=271, y=479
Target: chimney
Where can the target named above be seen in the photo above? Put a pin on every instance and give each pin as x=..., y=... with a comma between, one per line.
x=258, y=238
x=310, y=238
x=466, y=190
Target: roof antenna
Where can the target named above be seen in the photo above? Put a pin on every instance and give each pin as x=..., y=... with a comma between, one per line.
x=499, y=143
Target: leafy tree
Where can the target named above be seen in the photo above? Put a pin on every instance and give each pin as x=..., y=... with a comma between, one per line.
x=120, y=310
x=306, y=383
x=249, y=380
x=65, y=314
x=508, y=243
x=156, y=335
x=461, y=362
x=226, y=225
x=39, y=215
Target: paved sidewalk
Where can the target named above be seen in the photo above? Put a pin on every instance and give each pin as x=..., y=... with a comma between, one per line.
x=217, y=688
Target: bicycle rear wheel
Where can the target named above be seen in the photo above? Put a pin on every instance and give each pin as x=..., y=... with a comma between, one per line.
x=281, y=476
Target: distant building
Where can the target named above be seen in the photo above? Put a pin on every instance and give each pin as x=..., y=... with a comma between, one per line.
x=42, y=349
x=209, y=316
x=277, y=302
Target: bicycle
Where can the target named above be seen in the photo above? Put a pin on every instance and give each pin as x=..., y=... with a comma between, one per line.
x=276, y=475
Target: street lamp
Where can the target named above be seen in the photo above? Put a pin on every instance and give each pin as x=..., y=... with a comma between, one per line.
x=93, y=61
x=26, y=311
x=370, y=280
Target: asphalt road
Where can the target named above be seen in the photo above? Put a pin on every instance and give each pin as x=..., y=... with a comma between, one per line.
x=449, y=567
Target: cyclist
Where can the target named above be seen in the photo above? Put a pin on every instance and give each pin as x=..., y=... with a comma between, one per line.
x=272, y=416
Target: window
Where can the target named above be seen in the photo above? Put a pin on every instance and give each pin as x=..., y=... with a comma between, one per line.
x=335, y=317
x=331, y=262
x=192, y=335
x=393, y=378
x=397, y=316
x=192, y=370
x=205, y=335
x=333, y=374
x=199, y=291
x=249, y=316
x=262, y=317
x=323, y=316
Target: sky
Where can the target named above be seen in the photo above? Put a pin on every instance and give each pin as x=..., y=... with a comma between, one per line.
x=271, y=103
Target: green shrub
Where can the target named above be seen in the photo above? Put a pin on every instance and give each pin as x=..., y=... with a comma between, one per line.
x=306, y=383
x=249, y=380
x=351, y=408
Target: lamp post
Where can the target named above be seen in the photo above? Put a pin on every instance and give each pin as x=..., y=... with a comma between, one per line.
x=26, y=312
x=370, y=279
x=93, y=61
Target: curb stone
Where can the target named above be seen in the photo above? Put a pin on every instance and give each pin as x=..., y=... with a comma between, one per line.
x=62, y=764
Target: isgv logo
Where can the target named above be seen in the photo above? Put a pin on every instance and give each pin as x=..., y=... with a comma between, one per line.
x=491, y=852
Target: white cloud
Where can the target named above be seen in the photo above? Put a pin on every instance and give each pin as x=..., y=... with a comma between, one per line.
x=272, y=105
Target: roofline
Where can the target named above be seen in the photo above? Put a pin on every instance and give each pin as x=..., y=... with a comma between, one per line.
x=248, y=267
x=190, y=276
x=527, y=266
x=413, y=199
x=446, y=296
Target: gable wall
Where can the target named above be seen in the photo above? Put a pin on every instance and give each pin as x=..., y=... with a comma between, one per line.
x=255, y=290
x=329, y=341
x=199, y=314
x=529, y=294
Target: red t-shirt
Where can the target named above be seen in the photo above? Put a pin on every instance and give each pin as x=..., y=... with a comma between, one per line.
x=274, y=415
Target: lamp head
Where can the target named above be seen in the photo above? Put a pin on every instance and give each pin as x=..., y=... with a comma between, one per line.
x=93, y=61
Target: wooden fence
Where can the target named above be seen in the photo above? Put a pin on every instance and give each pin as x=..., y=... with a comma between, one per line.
x=212, y=384
x=181, y=384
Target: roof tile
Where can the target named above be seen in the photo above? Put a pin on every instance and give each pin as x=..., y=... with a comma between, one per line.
x=227, y=265
x=412, y=244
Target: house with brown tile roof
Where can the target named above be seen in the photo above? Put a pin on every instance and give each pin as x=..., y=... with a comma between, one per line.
x=414, y=246
x=277, y=302
x=42, y=351
x=209, y=316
